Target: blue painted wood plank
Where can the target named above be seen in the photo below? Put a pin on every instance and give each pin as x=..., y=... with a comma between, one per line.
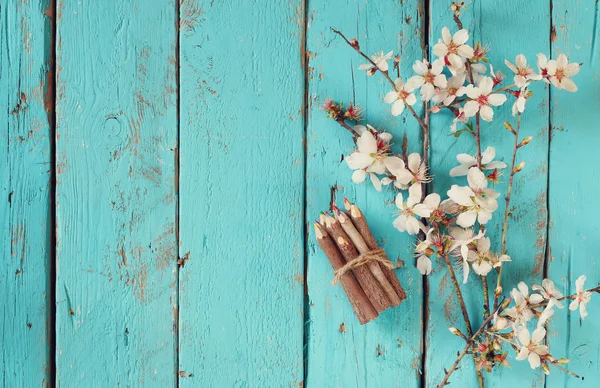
x=574, y=191
x=116, y=205
x=387, y=351
x=242, y=168
x=25, y=181
x=500, y=27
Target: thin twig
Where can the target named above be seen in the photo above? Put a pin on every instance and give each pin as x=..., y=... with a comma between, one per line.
x=385, y=74
x=470, y=343
x=498, y=289
x=516, y=349
x=556, y=364
x=463, y=306
x=544, y=303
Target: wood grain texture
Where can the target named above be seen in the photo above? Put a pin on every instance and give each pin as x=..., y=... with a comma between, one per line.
x=500, y=27
x=574, y=192
x=242, y=173
x=116, y=249
x=387, y=351
x=250, y=178
x=25, y=195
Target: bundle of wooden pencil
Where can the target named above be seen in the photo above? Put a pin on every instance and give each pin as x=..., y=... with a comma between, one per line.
x=359, y=263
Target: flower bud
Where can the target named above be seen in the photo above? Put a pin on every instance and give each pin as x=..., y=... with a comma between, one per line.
x=509, y=127
x=456, y=332
x=563, y=360
x=545, y=368
x=354, y=43
x=435, y=109
x=525, y=141
x=498, y=290
x=518, y=168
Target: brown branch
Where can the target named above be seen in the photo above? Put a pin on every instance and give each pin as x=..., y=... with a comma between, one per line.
x=463, y=306
x=385, y=74
x=470, y=343
x=365, y=56
x=498, y=289
x=544, y=303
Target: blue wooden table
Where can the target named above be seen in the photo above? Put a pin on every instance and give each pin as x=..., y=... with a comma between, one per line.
x=162, y=163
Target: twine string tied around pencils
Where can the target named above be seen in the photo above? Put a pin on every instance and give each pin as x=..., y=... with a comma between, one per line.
x=377, y=255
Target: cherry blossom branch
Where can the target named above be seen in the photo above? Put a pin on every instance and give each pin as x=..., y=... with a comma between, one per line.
x=557, y=365
x=516, y=349
x=349, y=128
x=365, y=56
x=463, y=308
x=569, y=297
x=470, y=342
x=385, y=74
x=515, y=132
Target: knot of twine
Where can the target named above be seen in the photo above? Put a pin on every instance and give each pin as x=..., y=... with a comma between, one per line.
x=377, y=255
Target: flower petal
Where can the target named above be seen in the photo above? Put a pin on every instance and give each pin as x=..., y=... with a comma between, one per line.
x=359, y=176
x=414, y=162
x=460, y=37
x=476, y=179
x=367, y=144
x=467, y=219
x=358, y=160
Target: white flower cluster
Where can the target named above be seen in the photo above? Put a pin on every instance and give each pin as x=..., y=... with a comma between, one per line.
x=455, y=55
x=538, y=305
x=462, y=81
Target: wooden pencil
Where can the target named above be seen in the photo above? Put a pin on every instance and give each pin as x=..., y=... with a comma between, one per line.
x=361, y=225
x=360, y=244
x=367, y=281
x=364, y=310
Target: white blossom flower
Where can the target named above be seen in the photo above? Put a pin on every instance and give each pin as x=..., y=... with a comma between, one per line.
x=461, y=238
x=467, y=161
x=400, y=97
x=498, y=260
x=480, y=258
x=461, y=117
x=523, y=73
x=478, y=70
x=453, y=49
x=521, y=313
x=532, y=347
x=423, y=260
x=407, y=221
x=581, y=297
x=478, y=201
x=454, y=88
x=549, y=292
x=542, y=63
x=519, y=104
x=560, y=72
x=428, y=78
x=380, y=59
x=545, y=315
x=482, y=99
x=415, y=173
x=500, y=322
x=371, y=157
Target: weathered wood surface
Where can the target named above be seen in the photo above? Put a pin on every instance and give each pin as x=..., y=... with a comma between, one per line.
x=189, y=156
x=386, y=352
x=25, y=173
x=574, y=190
x=116, y=138
x=242, y=174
